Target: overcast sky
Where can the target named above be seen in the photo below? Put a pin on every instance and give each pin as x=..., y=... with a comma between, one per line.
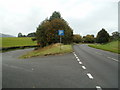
x=84, y=16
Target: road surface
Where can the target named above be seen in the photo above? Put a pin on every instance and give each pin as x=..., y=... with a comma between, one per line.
x=84, y=68
x=103, y=65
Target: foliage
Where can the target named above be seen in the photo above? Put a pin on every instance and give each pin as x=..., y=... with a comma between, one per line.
x=88, y=39
x=47, y=31
x=15, y=41
x=31, y=34
x=102, y=36
x=77, y=38
x=111, y=46
x=115, y=36
x=55, y=15
x=20, y=35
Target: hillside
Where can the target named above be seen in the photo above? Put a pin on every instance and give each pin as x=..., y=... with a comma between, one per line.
x=5, y=35
x=15, y=41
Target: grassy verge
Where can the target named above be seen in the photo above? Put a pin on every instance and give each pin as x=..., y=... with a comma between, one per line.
x=49, y=50
x=112, y=46
x=16, y=41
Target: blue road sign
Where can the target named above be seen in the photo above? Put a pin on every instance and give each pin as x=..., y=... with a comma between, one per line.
x=61, y=32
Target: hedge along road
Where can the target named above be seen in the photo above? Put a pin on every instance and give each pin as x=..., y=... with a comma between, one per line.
x=84, y=68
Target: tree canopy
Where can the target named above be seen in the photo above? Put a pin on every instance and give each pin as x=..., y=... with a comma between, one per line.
x=88, y=39
x=102, y=36
x=47, y=31
x=77, y=38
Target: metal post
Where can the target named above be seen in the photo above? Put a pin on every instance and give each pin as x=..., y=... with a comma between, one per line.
x=60, y=42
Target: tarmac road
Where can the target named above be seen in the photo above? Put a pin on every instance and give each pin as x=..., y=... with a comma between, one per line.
x=84, y=68
x=103, y=65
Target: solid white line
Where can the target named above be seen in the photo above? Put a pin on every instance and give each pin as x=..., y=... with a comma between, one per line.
x=98, y=88
x=90, y=76
x=83, y=67
x=80, y=62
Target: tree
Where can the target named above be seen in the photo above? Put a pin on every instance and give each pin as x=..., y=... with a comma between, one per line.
x=115, y=35
x=77, y=38
x=88, y=39
x=47, y=31
x=19, y=34
x=31, y=34
x=55, y=15
x=102, y=36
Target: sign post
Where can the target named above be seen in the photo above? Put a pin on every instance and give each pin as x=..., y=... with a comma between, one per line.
x=60, y=33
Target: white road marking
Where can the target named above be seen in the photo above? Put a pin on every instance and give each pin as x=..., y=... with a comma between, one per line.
x=113, y=59
x=90, y=76
x=78, y=59
x=83, y=67
x=80, y=62
x=98, y=88
x=75, y=55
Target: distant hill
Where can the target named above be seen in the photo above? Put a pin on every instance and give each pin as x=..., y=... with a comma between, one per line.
x=5, y=35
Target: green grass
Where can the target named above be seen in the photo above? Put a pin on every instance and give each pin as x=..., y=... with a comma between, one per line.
x=16, y=41
x=112, y=46
x=49, y=50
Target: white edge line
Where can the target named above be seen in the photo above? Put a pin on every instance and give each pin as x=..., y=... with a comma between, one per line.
x=90, y=76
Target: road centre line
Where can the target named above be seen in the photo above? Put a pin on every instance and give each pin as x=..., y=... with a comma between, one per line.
x=77, y=57
x=98, y=88
x=83, y=67
x=90, y=76
x=80, y=62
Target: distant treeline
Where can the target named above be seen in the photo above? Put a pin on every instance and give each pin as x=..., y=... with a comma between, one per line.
x=102, y=37
x=47, y=33
x=33, y=34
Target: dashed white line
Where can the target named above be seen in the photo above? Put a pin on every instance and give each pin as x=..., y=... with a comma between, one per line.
x=90, y=76
x=75, y=55
x=80, y=62
x=113, y=59
x=98, y=88
x=78, y=59
x=83, y=67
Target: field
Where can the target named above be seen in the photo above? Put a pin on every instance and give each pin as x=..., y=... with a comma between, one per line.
x=16, y=41
x=49, y=50
x=112, y=46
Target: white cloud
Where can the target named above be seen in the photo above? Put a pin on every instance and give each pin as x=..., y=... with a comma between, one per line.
x=84, y=16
